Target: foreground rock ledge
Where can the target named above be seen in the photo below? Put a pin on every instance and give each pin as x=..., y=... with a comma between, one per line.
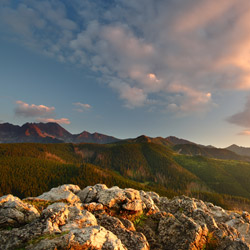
x=99, y=217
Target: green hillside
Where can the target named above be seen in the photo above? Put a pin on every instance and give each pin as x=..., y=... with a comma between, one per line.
x=31, y=169
x=222, y=176
x=210, y=152
x=143, y=162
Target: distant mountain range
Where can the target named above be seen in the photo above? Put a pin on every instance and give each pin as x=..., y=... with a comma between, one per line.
x=54, y=133
x=48, y=133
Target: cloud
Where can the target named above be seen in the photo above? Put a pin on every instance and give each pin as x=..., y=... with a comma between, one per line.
x=32, y=110
x=133, y=96
x=244, y=132
x=242, y=118
x=40, y=113
x=82, y=106
x=60, y=121
x=178, y=53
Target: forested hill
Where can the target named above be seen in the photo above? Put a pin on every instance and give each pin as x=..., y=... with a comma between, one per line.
x=29, y=169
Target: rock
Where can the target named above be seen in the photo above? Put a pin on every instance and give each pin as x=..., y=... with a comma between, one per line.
x=89, y=193
x=154, y=196
x=14, y=212
x=65, y=192
x=128, y=199
x=94, y=237
x=102, y=221
x=149, y=202
x=61, y=217
x=181, y=232
x=136, y=205
x=93, y=206
x=112, y=197
x=132, y=240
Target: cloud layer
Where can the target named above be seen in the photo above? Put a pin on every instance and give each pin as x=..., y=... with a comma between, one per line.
x=172, y=54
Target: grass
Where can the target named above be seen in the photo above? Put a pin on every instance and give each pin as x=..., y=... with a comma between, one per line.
x=139, y=220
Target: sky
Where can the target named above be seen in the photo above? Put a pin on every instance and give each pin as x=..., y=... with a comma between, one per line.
x=127, y=68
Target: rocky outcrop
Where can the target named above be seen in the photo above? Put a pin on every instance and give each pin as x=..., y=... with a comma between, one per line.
x=14, y=212
x=99, y=217
x=64, y=192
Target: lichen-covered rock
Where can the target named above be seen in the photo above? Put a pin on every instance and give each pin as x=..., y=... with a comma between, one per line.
x=115, y=197
x=98, y=217
x=14, y=212
x=93, y=206
x=62, y=217
x=89, y=193
x=147, y=199
x=93, y=237
x=131, y=239
x=181, y=232
x=65, y=192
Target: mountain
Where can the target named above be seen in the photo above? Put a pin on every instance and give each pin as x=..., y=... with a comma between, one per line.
x=144, y=138
x=47, y=133
x=93, y=138
x=239, y=150
x=177, y=141
x=209, y=152
x=97, y=217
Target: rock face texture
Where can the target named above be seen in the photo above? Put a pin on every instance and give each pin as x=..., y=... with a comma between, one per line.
x=99, y=217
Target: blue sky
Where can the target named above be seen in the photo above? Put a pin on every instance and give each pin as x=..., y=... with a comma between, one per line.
x=126, y=68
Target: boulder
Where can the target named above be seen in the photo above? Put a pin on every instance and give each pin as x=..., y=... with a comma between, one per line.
x=89, y=193
x=14, y=212
x=93, y=237
x=181, y=232
x=131, y=240
x=60, y=217
x=65, y=192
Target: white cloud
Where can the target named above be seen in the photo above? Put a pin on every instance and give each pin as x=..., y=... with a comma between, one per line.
x=60, y=121
x=32, y=110
x=81, y=107
x=179, y=52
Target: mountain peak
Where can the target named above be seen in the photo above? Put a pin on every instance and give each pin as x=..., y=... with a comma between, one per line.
x=50, y=132
x=143, y=138
x=176, y=141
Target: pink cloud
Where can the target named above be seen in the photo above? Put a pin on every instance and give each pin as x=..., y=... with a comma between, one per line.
x=60, y=121
x=244, y=132
x=32, y=110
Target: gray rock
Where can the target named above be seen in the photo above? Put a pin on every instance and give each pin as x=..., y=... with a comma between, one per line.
x=181, y=232
x=14, y=212
x=131, y=239
x=89, y=193
x=65, y=192
x=61, y=217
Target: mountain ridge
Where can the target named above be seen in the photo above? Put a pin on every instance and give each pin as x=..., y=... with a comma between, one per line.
x=48, y=133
